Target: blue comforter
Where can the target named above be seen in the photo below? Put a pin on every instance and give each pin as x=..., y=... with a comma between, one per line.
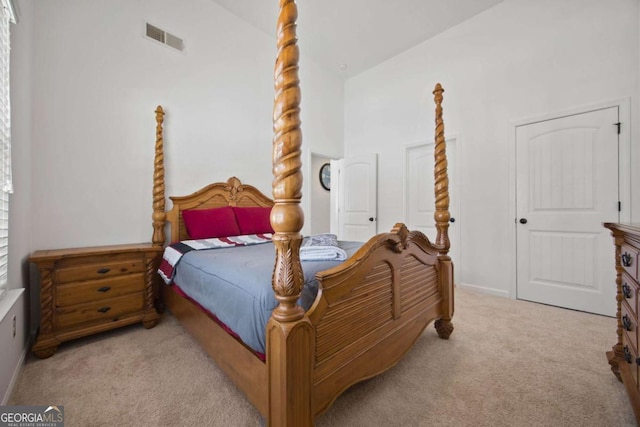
x=235, y=284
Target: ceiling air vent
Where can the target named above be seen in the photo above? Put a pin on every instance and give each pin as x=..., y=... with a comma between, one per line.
x=164, y=37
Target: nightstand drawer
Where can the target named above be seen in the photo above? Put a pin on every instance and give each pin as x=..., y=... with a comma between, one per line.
x=98, y=269
x=103, y=310
x=94, y=290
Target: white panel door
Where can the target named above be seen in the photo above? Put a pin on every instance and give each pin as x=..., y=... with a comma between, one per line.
x=567, y=186
x=336, y=197
x=420, y=197
x=358, y=198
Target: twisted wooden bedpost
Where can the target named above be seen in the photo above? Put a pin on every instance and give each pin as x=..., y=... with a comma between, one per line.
x=159, y=216
x=441, y=215
x=289, y=332
x=444, y=327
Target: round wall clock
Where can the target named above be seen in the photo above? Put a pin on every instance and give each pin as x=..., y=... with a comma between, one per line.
x=325, y=176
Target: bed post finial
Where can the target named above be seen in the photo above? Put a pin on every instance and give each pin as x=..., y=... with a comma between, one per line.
x=441, y=187
x=289, y=332
x=159, y=216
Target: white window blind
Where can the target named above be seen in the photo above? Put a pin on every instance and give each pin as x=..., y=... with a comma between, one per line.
x=6, y=185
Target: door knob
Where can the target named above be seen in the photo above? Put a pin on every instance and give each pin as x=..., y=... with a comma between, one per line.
x=371, y=219
x=523, y=220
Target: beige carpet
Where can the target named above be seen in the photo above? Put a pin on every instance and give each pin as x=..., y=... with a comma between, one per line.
x=508, y=363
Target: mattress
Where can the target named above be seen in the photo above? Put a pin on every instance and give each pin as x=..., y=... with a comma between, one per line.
x=234, y=284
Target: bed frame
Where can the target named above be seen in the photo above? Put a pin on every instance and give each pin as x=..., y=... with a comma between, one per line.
x=369, y=310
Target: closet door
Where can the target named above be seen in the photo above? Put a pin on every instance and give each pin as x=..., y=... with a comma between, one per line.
x=567, y=186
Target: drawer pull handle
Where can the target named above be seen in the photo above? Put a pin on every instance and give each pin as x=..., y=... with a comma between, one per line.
x=626, y=290
x=104, y=309
x=108, y=288
x=638, y=361
x=103, y=270
x=626, y=259
x=627, y=323
x=627, y=354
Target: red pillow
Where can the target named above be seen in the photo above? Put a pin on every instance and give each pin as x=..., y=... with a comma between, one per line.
x=208, y=223
x=253, y=220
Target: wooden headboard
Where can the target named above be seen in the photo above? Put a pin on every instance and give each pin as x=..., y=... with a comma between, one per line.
x=217, y=195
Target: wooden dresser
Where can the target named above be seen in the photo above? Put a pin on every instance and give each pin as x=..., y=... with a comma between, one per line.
x=88, y=290
x=624, y=356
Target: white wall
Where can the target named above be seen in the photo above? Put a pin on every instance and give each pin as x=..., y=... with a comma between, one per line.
x=96, y=81
x=520, y=59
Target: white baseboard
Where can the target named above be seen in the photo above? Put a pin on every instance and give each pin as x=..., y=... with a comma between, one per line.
x=485, y=290
x=15, y=375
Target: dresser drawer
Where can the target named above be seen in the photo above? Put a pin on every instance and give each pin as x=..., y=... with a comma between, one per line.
x=630, y=362
x=630, y=294
x=629, y=260
x=630, y=326
x=94, y=290
x=98, y=269
x=102, y=310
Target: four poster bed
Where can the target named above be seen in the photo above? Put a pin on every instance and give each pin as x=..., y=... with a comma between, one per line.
x=366, y=312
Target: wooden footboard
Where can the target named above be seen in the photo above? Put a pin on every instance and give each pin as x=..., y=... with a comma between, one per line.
x=369, y=312
x=371, y=309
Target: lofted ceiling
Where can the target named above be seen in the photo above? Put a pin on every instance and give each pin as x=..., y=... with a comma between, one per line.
x=350, y=36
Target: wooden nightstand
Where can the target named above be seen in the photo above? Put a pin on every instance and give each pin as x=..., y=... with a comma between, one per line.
x=88, y=290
